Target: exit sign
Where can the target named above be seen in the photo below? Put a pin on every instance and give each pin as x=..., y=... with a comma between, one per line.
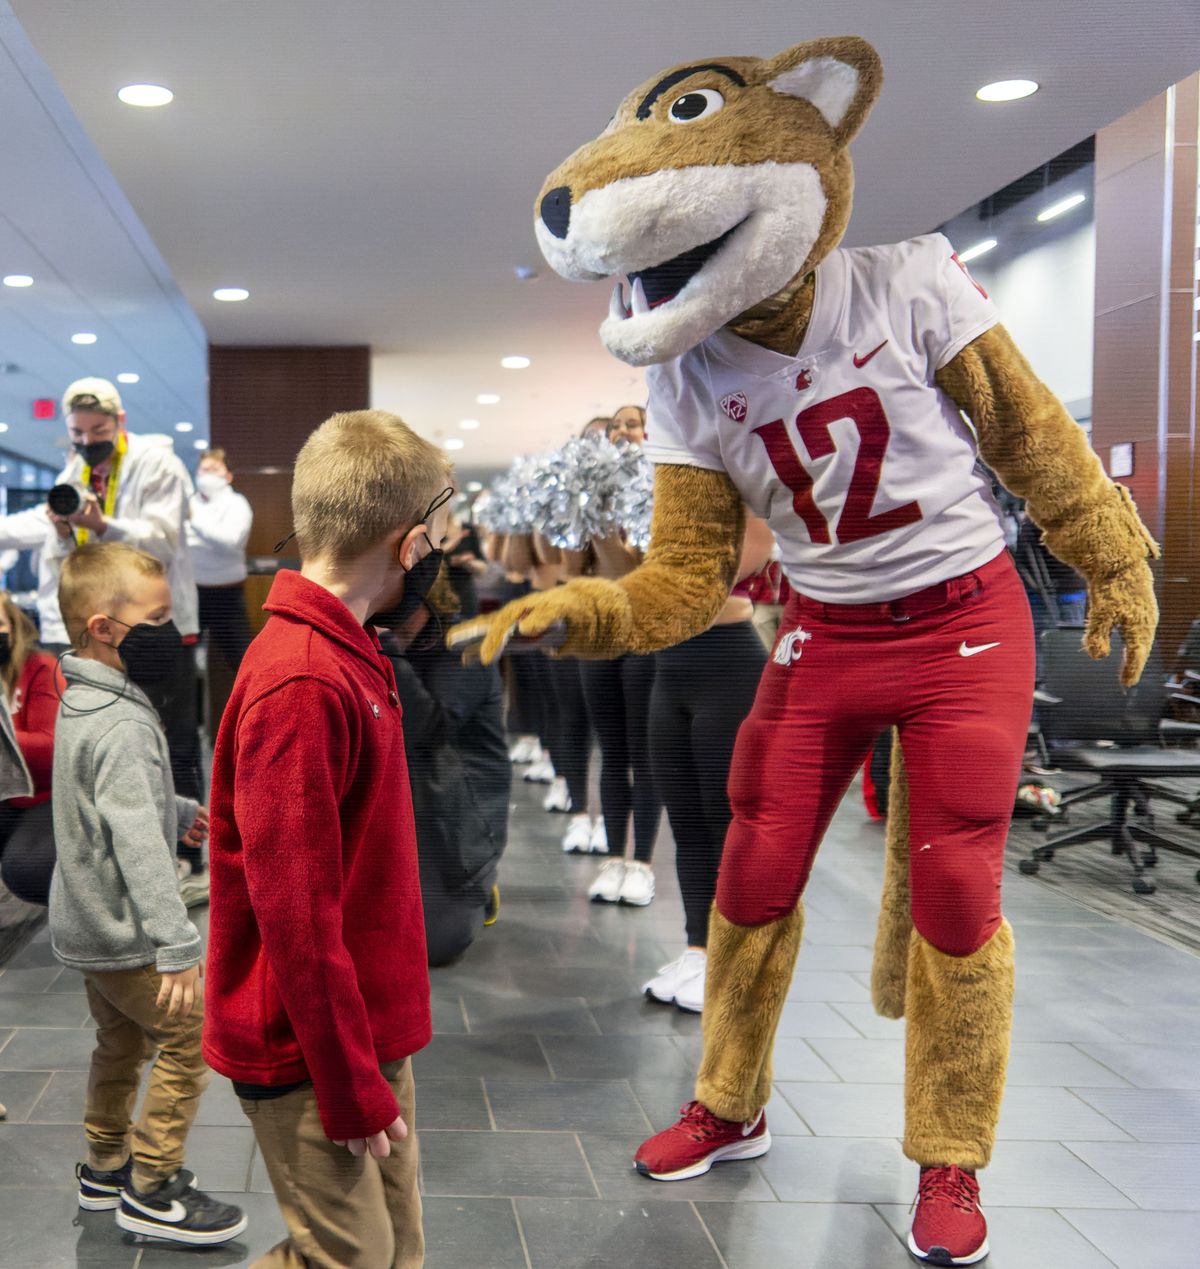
x=44, y=408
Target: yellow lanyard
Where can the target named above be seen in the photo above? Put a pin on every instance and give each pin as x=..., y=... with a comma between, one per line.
x=110, y=491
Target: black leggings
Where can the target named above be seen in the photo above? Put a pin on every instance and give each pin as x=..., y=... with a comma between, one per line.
x=703, y=689
x=27, y=851
x=526, y=699
x=223, y=616
x=571, y=732
x=618, y=703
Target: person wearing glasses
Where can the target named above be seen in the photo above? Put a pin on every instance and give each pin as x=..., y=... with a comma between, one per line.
x=318, y=988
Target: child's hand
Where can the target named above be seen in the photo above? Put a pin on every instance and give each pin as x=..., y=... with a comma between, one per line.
x=198, y=833
x=379, y=1145
x=179, y=992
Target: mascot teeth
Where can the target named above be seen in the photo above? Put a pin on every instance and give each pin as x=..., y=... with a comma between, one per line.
x=617, y=308
x=639, y=301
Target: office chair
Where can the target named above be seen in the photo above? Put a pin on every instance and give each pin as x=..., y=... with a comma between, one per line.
x=1116, y=735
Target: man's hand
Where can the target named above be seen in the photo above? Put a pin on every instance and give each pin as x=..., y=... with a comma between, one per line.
x=62, y=526
x=89, y=516
x=1125, y=602
x=379, y=1145
x=198, y=833
x=179, y=992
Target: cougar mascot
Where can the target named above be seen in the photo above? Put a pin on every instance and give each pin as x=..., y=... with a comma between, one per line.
x=845, y=396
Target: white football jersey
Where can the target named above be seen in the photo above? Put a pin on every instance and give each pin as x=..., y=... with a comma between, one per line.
x=864, y=469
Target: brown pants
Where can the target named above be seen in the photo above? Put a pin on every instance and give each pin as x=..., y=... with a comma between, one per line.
x=341, y=1212
x=129, y=1027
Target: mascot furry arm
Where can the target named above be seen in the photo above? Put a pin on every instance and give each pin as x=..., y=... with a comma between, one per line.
x=771, y=160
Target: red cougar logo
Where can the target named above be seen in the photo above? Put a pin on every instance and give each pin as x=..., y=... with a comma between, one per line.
x=803, y=380
x=736, y=406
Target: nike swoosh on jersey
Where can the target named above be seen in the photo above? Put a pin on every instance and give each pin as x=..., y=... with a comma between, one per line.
x=859, y=362
x=965, y=651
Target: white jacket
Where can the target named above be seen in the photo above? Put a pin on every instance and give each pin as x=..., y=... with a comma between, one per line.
x=217, y=532
x=150, y=513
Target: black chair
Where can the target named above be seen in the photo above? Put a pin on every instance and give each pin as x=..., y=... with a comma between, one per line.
x=1096, y=726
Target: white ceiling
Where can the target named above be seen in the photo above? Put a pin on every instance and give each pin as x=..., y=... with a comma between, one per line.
x=65, y=222
x=368, y=169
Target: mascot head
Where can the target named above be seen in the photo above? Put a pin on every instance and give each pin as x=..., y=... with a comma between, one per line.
x=714, y=186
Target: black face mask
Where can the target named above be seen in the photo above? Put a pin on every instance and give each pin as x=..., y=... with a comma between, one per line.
x=417, y=582
x=5, y=647
x=150, y=654
x=96, y=452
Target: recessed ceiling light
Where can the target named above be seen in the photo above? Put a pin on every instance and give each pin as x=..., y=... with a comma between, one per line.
x=83, y=337
x=199, y=444
x=1064, y=205
x=231, y=294
x=487, y=398
x=127, y=376
x=525, y=273
x=147, y=95
x=1008, y=90
x=455, y=442
x=979, y=249
x=3, y=427
x=183, y=427
x=18, y=279
x=514, y=363
x=469, y=425
x=474, y=486
x=3, y=469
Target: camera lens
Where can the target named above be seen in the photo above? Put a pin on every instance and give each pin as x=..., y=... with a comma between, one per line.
x=64, y=500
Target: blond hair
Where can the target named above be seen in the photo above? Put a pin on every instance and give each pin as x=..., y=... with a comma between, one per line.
x=22, y=642
x=95, y=579
x=359, y=477
x=217, y=454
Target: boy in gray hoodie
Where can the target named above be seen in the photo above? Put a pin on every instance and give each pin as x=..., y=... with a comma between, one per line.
x=115, y=910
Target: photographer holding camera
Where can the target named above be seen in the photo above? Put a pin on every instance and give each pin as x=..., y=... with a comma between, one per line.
x=119, y=487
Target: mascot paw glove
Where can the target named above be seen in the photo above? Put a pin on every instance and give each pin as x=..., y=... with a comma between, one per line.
x=1125, y=602
x=587, y=606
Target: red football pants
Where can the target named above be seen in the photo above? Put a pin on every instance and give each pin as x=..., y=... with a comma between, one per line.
x=952, y=667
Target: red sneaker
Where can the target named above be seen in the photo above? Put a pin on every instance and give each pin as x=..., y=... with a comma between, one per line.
x=948, y=1228
x=690, y=1147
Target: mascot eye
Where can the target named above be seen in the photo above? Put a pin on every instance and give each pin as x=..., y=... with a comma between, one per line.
x=695, y=105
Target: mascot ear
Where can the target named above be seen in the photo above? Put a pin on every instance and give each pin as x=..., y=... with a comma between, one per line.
x=840, y=76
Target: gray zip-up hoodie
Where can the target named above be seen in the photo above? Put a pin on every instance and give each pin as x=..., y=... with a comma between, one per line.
x=114, y=901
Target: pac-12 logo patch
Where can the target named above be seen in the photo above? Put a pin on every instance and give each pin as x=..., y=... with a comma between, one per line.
x=736, y=406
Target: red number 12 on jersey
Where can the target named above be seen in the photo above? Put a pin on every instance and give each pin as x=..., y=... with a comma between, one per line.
x=855, y=522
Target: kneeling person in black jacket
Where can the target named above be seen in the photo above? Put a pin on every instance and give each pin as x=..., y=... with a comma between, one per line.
x=460, y=774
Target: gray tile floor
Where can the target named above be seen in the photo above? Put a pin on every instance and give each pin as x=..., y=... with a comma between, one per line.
x=547, y=1069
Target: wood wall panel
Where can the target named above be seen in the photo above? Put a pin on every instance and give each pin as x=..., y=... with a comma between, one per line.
x=1145, y=354
x=263, y=403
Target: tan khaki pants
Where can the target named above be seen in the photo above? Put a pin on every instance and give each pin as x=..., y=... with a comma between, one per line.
x=129, y=1027
x=341, y=1212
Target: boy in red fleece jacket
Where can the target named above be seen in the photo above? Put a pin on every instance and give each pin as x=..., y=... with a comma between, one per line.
x=317, y=987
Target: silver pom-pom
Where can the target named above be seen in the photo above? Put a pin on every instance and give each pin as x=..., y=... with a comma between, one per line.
x=587, y=489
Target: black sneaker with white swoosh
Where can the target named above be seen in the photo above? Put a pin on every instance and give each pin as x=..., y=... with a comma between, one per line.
x=179, y=1213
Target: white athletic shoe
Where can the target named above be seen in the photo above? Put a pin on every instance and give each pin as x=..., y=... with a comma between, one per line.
x=607, y=886
x=599, y=841
x=525, y=750
x=666, y=984
x=690, y=996
x=540, y=773
x=557, y=799
x=637, y=889
x=578, y=836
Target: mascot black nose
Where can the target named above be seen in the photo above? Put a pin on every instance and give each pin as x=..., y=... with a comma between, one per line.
x=556, y=211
